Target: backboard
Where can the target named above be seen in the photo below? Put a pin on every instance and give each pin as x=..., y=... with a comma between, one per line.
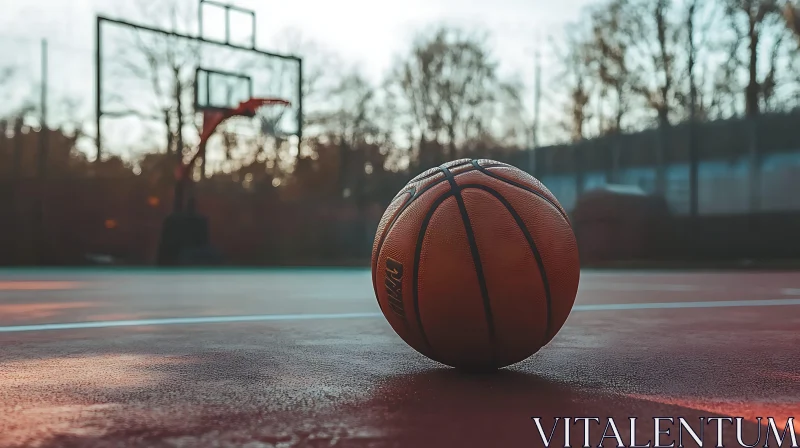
x=215, y=90
x=143, y=74
x=220, y=21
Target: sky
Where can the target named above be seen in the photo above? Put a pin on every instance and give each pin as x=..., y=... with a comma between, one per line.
x=367, y=35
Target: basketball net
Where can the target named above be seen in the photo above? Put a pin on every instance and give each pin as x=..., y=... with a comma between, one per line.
x=270, y=118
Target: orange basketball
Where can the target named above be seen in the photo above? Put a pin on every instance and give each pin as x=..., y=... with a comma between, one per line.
x=475, y=264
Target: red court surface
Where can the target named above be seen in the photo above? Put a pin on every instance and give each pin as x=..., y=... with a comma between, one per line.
x=640, y=345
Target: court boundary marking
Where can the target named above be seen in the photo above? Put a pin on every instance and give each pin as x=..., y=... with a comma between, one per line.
x=333, y=316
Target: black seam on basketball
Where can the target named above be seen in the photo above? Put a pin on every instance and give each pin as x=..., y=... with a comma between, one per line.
x=519, y=185
x=414, y=195
x=433, y=173
x=531, y=243
x=427, y=176
x=476, y=258
x=491, y=165
x=417, y=255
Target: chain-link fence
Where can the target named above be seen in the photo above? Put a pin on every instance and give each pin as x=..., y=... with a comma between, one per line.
x=745, y=165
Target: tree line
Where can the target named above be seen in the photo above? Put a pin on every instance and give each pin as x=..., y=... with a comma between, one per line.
x=633, y=64
x=621, y=67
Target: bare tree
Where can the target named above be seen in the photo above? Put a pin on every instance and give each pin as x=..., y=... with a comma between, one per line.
x=451, y=89
x=645, y=36
x=6, y=75
x=700, y=19
x=575, y=81
x=791, y=14
x=725, y=91
x=655, y=39
x=166, y=63
x=16, y=98
x=608, y=55
x=321, y=67
x=756, y=23
x=322, y=76
x=351, y=129
x=413, y=85
x=351, y=117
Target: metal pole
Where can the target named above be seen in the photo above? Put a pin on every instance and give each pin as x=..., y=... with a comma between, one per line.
x=693, y=156
x=755, y=163
x=207, y=97
x=536, y=103
x=44, y=133
x=299, y=102
x=227, y=24
x=16, y=159
x=200, y=19
x=41, y=162
x=179, y=116
x=253, y=18
x=537, y=100
x=98, y=76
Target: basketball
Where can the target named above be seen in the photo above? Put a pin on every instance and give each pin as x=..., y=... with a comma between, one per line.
x=475, y=264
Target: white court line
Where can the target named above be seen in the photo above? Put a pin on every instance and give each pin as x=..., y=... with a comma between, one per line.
x=288, y=317
x=644, y=287
x=183, y=320
x=674, y=305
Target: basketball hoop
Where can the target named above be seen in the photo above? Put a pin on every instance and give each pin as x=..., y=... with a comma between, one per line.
x=212, y=118
x=250, y=108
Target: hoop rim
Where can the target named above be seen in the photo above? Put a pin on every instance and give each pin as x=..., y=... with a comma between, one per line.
x=247, y=107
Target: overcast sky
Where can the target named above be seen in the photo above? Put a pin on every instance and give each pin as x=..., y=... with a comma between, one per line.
x=367, y=34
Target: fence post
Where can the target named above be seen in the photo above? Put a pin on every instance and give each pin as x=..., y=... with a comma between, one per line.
x=41, y=171
x=694, y=177
x=577, y=166
x=532, y=168
x=662, y=148
x=616, y=150
x=754, y=165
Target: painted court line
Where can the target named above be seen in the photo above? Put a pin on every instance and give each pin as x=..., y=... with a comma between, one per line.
x=184, y=320
x=674, y=305
x=291, y=317
x=645, y=287
x=38, y=285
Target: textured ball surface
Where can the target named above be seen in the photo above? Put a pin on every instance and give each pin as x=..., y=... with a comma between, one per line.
x=475, y=264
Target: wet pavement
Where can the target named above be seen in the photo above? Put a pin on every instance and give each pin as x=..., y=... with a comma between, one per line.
x=343, y=378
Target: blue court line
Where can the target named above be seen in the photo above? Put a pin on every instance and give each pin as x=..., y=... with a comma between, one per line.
x=292, y=317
